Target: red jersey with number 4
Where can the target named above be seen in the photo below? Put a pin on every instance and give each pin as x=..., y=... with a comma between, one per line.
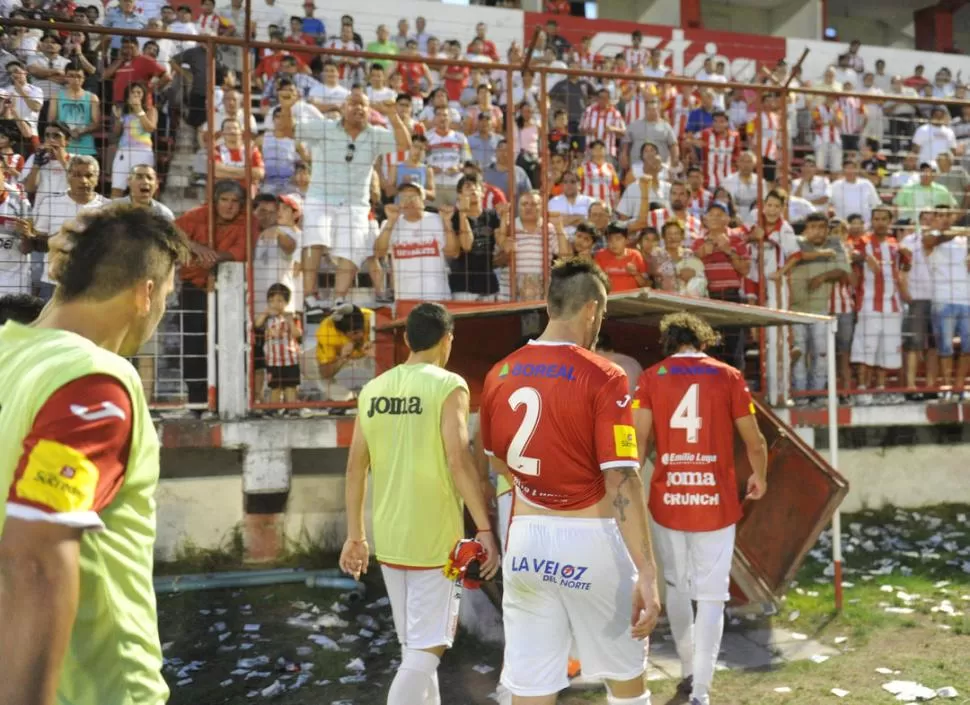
x=695, y=401
x=558, y=415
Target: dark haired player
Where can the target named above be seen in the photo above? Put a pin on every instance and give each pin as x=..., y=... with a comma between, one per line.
x=690, y=404
x=79, y=465
x=558, y=419
x=411, y=434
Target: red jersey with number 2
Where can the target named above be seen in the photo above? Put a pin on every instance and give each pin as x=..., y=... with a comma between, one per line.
x=558, y=415
x=695, y=401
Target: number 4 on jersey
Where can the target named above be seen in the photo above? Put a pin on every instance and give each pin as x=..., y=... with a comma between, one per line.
x=515, y=457
x=686, y=414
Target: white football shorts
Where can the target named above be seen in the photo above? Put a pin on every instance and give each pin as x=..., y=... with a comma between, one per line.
x=696, y=562
x=424, y=604
x=567, y=579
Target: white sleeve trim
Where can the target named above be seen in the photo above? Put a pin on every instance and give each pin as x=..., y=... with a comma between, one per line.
x=614, y=464
x=489, y=453
x=78, y=520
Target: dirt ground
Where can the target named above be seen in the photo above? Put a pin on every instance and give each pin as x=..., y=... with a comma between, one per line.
x=925, y=635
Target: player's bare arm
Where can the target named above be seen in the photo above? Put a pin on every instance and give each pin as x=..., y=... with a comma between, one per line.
x=643, y=424
x=454, y=434
x=624, y=490
x=356, y=553
x=39, y=586
x=757, y=450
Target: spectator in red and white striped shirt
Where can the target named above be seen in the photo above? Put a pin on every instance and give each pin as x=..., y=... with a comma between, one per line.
x=636, y=55
x=691, y=224
x=603, y=122
x=878, y=338
x=598, y=177
x=699, y=198
x=282, y=335
x=827, y=120
x=720, y=149
x=853, y=121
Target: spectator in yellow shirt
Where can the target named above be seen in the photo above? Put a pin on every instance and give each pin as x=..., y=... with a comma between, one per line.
x=345, y=351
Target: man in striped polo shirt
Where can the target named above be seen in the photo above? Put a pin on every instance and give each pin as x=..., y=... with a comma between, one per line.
x=726, y=263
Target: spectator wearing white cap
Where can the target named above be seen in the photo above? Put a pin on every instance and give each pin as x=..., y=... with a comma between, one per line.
x=935, y=137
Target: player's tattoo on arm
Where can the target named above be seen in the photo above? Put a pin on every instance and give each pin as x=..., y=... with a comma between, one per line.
x=621, y=501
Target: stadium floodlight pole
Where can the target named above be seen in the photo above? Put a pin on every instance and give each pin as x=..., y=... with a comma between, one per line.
x=833, y=412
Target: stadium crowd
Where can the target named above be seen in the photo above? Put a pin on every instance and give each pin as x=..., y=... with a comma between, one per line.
x=657, y=183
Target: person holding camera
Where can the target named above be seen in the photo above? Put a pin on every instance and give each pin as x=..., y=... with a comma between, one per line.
x=46, y=168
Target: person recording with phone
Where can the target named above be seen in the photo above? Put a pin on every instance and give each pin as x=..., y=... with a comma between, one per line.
x=46, y=168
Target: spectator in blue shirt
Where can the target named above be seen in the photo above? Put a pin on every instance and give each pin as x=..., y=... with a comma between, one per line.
x=484, y=142
x=311, y=25
x=122, y=17
x=701, y=118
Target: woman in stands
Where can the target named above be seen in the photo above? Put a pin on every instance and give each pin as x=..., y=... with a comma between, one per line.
x=77, y=108
x=134, y=124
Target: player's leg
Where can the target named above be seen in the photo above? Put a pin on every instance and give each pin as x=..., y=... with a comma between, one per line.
x=424, y=604
x=537, y=634
x=709, y=556
x=596, y=580
x=671, y=547
x=319, y=222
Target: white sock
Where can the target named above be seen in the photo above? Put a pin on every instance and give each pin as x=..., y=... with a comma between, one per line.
x=416, y=681
x=680, y=614
x=434, y=696
x=639, y=700
x=708, y=630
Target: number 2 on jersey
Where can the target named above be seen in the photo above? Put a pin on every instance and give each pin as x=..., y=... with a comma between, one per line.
x=686, y=416
x=516, y=458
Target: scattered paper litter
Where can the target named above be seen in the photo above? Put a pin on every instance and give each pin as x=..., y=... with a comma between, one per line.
x=226, y=682
x=272, y=690
x=356, y=665
x=947, y=692
x=331, y=621
x=887, y=588
x=839, y=693
x=483, y=668
x=783, y=689
x=251, y=628
x=167, y=645
x=349, y=638
x=324, y=641
x=899, y=610
x=798, y=636
x=366, y=633
x=908, y=691
x=818, y=658
x=383, y=602
x=304, y=651
x=840, y=639
x=795, y=614
x=184, y=681
x=882, y=670
x=353, y=679
x=337, y=607
x=249, y=663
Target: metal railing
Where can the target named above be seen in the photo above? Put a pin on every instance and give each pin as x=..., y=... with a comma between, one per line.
x=517, y=257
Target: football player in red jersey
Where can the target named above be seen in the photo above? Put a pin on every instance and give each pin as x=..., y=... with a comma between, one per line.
x=690, y=404
x=558, y=420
